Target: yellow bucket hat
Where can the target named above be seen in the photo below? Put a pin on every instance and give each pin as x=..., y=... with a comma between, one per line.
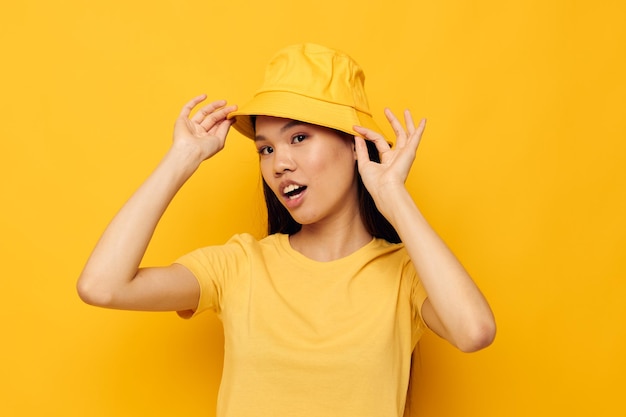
x=313, y=84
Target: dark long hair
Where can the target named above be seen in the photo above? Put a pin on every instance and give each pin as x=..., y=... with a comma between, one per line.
x=280, y=221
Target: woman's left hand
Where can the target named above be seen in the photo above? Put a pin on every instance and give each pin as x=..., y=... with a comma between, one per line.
x=395, y=164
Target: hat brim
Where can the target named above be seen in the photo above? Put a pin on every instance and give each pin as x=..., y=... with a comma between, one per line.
x=294, y=106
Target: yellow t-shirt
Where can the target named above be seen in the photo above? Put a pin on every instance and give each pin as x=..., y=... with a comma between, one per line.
x=306, y=338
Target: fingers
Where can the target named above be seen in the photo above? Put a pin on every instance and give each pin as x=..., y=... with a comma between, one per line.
x=210, y=116
x=419, y=131
x=207, y=110
x=408, y=121
x=187, y=108
x=362, y=155
x=378, y=139
x=397, y=127
x=415, y=134
x=215, y=115
x=410, y=136
x=221, y=129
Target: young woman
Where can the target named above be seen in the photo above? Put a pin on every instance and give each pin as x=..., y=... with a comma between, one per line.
x=321, y=316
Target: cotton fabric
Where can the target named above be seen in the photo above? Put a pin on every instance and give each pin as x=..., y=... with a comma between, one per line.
x=307, y=338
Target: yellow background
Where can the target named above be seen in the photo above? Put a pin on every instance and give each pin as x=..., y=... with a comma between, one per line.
x=521, y=170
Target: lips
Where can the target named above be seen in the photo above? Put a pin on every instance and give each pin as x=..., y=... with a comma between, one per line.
x=292, y=191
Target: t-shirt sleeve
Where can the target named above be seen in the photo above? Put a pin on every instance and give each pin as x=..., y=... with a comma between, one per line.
x=418, y=296
x=215, y=268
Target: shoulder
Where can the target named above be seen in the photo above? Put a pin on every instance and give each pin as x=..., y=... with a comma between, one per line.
x=215, y=256
x=244, y=246
x=238, y=242
x=395, y=252
x=248, y=240
x=395, y=258
x=248, y=243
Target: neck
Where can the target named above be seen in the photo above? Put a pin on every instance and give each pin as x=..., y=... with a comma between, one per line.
x=324, y=243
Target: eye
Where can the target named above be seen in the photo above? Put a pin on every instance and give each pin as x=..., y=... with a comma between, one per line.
x=265, y=150
x=298, y=138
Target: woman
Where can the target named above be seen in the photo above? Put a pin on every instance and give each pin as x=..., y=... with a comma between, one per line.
x=320, y=317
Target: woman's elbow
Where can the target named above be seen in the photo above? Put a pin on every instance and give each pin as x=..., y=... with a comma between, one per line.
x=93, y=294
x=479, y=337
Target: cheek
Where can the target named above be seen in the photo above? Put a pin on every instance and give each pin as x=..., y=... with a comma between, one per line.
x=266, y=174
x=338, y=168
x=344, y=160
x=266, y=169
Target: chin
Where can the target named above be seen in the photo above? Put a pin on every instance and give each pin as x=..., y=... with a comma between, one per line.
x=304, y=220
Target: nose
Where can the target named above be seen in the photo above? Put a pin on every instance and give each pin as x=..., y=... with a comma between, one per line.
x=283, y=161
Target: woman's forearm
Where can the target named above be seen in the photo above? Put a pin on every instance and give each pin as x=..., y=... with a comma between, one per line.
x=116, y=257
x=114, y=262
x=464, y=315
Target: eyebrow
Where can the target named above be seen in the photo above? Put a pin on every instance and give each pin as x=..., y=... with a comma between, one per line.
x=284, y=128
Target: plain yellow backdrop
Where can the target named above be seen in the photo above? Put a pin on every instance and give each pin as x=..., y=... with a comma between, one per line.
x=521, y=170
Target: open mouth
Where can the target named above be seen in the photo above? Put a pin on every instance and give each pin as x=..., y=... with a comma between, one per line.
x=293, y=191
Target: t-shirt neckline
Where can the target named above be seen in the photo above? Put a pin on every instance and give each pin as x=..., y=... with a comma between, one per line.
x=286, y=247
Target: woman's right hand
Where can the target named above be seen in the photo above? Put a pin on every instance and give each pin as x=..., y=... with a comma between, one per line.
x=204, y=134
x=112, y=277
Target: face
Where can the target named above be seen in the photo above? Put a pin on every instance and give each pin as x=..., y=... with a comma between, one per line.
x=310, y=169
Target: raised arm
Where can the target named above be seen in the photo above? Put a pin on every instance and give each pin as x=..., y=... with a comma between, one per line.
x=112, y=278
x=455, y=308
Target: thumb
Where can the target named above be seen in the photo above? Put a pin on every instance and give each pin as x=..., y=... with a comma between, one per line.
x=362, y=154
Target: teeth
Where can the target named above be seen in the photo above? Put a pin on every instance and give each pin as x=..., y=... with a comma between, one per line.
x=293, y=191
x=290, y=188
